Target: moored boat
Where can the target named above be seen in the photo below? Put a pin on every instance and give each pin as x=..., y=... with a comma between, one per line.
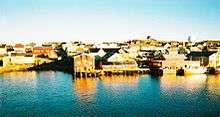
x=195, y=70
x=180, y=72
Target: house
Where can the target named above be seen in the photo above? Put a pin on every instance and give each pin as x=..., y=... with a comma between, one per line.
x=214, y=59
x=106, y=45
x=39, y=51
x=47, y=52
x=29, y=48
x=98, y=52
x=84, y=62
x=153, y=48
x=9, y=48
x=173, y=60
x=108, y=53
x=19, y=48
x=101, y=55
x=201, y=56
x=18, y=58
x=120, y=61
x=3, y=50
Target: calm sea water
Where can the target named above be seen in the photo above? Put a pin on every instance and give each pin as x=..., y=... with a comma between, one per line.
x=59, y=94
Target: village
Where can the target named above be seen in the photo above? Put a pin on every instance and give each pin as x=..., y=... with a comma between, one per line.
x=137, y=56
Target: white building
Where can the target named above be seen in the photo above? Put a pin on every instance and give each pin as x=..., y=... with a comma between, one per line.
x=18, y=59
x=3, y=50
x=214, y=59
x=19, y=48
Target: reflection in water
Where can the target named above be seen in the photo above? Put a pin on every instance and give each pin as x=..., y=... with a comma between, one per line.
x=116, y=82
x=85, y=88
x=19, y=75
x=27, y=78
x=192, y=82
x=58, y=94
x=213, y=84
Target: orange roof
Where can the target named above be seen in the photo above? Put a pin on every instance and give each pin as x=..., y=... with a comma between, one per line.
x=19, y=46
x=42, y=48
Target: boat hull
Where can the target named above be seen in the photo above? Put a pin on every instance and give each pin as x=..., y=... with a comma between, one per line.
x=195, y=71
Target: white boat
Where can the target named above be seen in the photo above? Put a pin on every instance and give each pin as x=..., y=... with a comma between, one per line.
x=195, y=70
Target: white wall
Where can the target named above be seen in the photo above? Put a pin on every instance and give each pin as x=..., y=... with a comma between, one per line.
x=22, y=60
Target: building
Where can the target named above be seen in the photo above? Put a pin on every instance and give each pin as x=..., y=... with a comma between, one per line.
x=98, y=52
x=19, y=48
x=173, y=60
x=37, y=51
x=214, y=60
x=84, y=62
x=120, y=61
x=18, y=59
x=3, y=50
x=201, y=56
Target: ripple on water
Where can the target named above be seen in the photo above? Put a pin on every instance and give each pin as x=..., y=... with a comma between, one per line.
x=59, y=94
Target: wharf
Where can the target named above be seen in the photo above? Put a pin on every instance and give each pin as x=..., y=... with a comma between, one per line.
x=108, y=72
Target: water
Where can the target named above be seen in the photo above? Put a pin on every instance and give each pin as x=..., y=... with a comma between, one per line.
x=58, y=94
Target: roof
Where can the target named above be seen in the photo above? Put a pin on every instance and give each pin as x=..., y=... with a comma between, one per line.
x=200, y=53
x=40, y=48
x=19, y=45
x=2, y=45
x=94, y=50
x=110, y=52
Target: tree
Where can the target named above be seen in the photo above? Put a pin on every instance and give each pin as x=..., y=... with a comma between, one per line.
x=182, y=50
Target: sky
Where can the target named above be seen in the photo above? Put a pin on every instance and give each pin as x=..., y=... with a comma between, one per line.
x=108, y=20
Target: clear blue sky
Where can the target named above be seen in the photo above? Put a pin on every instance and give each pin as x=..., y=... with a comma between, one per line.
x=108, y=20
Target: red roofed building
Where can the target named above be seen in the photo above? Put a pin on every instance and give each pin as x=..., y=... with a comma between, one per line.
x=42, y=50
x=19, y=48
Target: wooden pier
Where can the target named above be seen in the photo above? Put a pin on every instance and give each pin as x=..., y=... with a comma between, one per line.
x=97, y=73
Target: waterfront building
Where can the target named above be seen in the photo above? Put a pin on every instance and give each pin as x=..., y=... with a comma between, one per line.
x=120, y=61
x=173, y=61
x=98, y=52
x=84, y=62
x=18, y=59
x=214, y=59
x=201, y=56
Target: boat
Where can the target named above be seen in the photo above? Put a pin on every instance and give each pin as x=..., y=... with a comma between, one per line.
x=195, y=70
x=211, y=70
x=180, y=72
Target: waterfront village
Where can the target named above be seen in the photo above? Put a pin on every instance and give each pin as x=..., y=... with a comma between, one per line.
x=131, y=57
